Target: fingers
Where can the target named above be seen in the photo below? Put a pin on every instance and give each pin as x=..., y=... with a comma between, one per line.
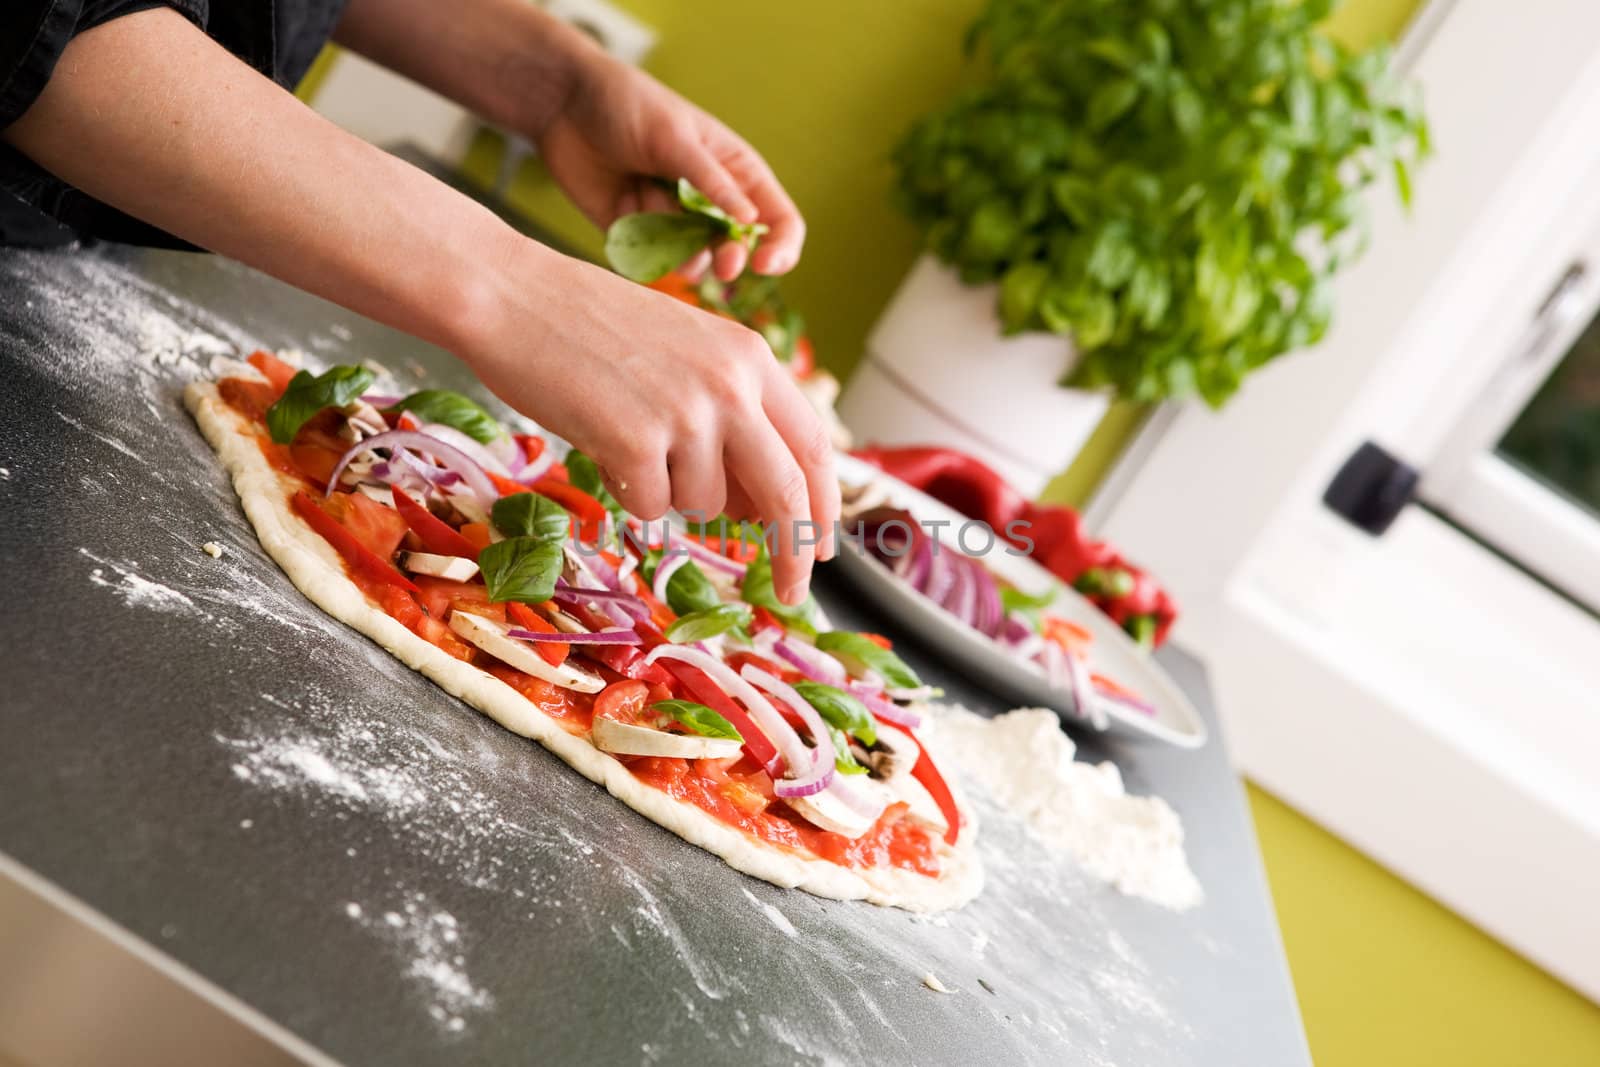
x=764, y=465
x=728, y=261
x=699, y=485
x=639, y=481
x=779, y=250
x=695, y=269
x=705, y=172
x=808, y=442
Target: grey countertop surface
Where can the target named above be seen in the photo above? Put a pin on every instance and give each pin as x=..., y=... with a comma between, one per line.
x=270, y=799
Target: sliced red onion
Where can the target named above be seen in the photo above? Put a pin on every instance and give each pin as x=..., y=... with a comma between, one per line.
x=598, y=637
x=853, y=798
x=468, y=444
x=818, y=666
x=1082, y=686
x=451, y=457
x=536, y=468
x=380, y=400
x=885, y=709
x=632, y=606
x=823, y=755
x=630, y=563
x=941, y=575
x=584, y=568
x=701, y=554
x=921, y=565
x=988, y=609
x=958, y=601
x=664, y=571
x=793, y=751
x=1028, y=648
x=1132, y=703
x=505, y=449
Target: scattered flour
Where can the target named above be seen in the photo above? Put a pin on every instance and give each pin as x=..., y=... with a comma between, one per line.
x=774, y=916
x=136, y=590
x=430, y=941
x=1025, y=761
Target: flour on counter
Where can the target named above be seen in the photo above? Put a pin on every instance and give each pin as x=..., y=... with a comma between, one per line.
x=430, y=938
x=1025, y=761
x=774, y=916
x=136, y=590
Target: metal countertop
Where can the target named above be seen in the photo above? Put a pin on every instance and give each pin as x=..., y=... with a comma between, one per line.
x=196, y=754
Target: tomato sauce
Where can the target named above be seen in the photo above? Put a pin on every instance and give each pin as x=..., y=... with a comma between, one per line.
x=741, y=796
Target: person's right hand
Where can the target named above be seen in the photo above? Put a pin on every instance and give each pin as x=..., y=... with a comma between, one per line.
x=679, y=408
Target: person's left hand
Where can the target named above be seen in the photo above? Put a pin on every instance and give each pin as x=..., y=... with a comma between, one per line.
x=620, y=130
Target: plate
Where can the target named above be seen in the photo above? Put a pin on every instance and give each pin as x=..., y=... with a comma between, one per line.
x=1113, y=654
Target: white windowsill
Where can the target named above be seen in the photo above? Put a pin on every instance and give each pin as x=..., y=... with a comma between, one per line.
x=1436, y=708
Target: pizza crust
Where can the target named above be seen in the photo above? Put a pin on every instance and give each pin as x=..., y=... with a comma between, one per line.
x=316, y=569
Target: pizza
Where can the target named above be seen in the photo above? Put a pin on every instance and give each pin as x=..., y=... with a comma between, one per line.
x=653, y=658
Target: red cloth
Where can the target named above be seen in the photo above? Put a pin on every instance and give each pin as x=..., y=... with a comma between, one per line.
x=1052, y=533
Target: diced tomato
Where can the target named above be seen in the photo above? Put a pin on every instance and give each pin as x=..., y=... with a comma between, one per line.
x=476, y=534
x=435, y=534
x=277, y=372
x=379, y=529
x=525, y=617
x=249, y=398
x=764, y=620
x=402, y=606
x=928, y=775
x=678, y=287
x=317, y=446
x=879, y=640
x=441, y=596
x=532, y=446
x=361, y=559
x=627, y=700
x=572, y=709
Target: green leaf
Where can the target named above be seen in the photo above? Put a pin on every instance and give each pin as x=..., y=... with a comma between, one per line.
x=1111, y=101
x=700, y=625
x=649, y=245
x=1020, y=289
x=844, y=761
x=861, y=654
x=694, y=201
x=531, y=515
x=1188, y=112
x=697, y=717
x=757, y=591
x=452, y=409
x=305, y=396
x=521, y=568
x=839, y=709
x=688, y=590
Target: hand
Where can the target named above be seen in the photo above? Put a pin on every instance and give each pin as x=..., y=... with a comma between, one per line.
x=679, y=408
x=619, y=129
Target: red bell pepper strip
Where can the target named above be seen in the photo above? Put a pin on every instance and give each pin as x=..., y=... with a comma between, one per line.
x=435, y=534
x=361, y=559
x=707, y=692
x=928, y=775
x=279, y=373
x=506, y=486
x=532, y=446
x=590, y=513
x=553, y=653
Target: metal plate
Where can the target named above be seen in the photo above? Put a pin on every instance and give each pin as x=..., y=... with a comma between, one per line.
x=275, y=803
x=1113, y=654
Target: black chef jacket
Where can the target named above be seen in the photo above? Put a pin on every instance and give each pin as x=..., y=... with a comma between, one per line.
x=279, y=38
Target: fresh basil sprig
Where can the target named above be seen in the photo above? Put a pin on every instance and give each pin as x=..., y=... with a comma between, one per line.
x=646, y=245
x=307, y=395
x=526, y=564
x=839, y=709
x=1013, y=599
x=688, y=590
x=699, y=625
x=699, y=718
x=861, y=653
x=452, y=409
x=758, y=591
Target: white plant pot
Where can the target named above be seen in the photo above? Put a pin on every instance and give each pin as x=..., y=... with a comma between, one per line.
x=937, y=371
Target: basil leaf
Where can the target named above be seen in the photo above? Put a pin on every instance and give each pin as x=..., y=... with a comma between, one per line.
x=693, y=200
x=699, y=718
x=839, y=709
x=521, y=568
x=758, y=591
x=452, y=409
x=844, y=761
x=688, y=590
x=699, y=625
x=648, y=245
x=531, y=515
x=858, y=652
x=584, y=474
x=305, y=396
x=1013, y=599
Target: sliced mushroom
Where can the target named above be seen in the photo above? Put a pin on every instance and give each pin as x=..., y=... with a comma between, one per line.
x=361, y=421
x=827, y=811
x=891, y=756
x=490, y=636
x=626, y=739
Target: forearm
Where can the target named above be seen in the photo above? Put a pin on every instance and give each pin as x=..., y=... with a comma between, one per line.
x=222, y=157
x=507, y=60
